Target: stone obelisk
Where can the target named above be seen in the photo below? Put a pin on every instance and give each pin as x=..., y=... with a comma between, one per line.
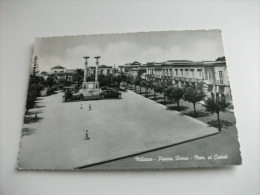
x=85, y=84
x=86, y=69
x=96, y=73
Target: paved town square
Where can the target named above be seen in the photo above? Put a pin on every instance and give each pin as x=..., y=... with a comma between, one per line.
x=154, y=111
x=59, y=139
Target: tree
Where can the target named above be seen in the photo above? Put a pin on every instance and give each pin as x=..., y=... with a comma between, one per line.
x=194, y=96
x=35, y=67
x=30, y=101
x=175, y=93
x=153, y=86
x=129, y=79
x=142, y=84
x=164, y=88
x=137, y=82
x=216, y=104
x=79, y=76
x=50, y=81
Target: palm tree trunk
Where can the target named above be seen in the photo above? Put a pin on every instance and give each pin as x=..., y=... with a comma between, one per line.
x=219, y=127
x=195, y=112
x=178, y=105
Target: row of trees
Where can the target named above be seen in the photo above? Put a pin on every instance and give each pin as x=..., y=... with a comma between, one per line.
x=36, y=84
x=216, y=103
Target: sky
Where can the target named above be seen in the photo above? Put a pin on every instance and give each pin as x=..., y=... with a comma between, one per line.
x=119, y=49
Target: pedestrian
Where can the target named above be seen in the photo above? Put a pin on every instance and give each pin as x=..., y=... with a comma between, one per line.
x=36, y=117
x=81, y=106
x=87, y=138
x=89, y=107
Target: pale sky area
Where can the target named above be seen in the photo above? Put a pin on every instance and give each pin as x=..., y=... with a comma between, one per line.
x=118, y=49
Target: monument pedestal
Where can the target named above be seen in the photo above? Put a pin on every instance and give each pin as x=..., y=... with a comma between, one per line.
x=90, y=85
x=90, y=91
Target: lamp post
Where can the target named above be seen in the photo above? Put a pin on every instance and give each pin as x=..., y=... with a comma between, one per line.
x=86, y=66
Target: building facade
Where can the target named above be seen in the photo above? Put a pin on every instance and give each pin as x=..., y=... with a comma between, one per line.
x=60, y=72
x=102, y=69
x=57, y=69
x=208, y=76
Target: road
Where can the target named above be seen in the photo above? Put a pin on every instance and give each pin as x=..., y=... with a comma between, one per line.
x=117, y=128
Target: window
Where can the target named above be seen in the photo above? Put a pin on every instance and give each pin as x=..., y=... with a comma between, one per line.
x=220, y=74
x=192, y=73
x=199, y=73
x=210, y=88
x=181, y=72
x=176, y=72
x=186, y=72
x=108, y=71
x=220, y=77
x=210, y=75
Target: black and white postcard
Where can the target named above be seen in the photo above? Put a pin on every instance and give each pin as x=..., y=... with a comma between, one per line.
x=146, y=100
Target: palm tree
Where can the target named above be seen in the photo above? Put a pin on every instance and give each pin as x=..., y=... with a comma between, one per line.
x=216, y=104
x=194, y=96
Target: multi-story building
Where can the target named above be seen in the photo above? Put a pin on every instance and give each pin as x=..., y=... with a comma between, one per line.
x=57, y=69
x=134, y=66
x=209, y=76
x=102, y=69
x=121, y=69
x=62, y=73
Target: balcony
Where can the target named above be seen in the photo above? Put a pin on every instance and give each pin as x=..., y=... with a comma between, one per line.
x=209, y=81
x=198, y=80
x=220, y=82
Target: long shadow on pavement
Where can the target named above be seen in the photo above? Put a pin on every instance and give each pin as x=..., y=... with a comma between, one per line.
x=29, y=120
x=27, y=131
x=39, y=106
x=175, y=108
x=200, y=113
x=29, y=113
x=157, y=98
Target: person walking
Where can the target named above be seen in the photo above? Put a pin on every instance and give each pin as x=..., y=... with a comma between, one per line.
x=89, y=107
x=81, y=106
x=86, y=137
